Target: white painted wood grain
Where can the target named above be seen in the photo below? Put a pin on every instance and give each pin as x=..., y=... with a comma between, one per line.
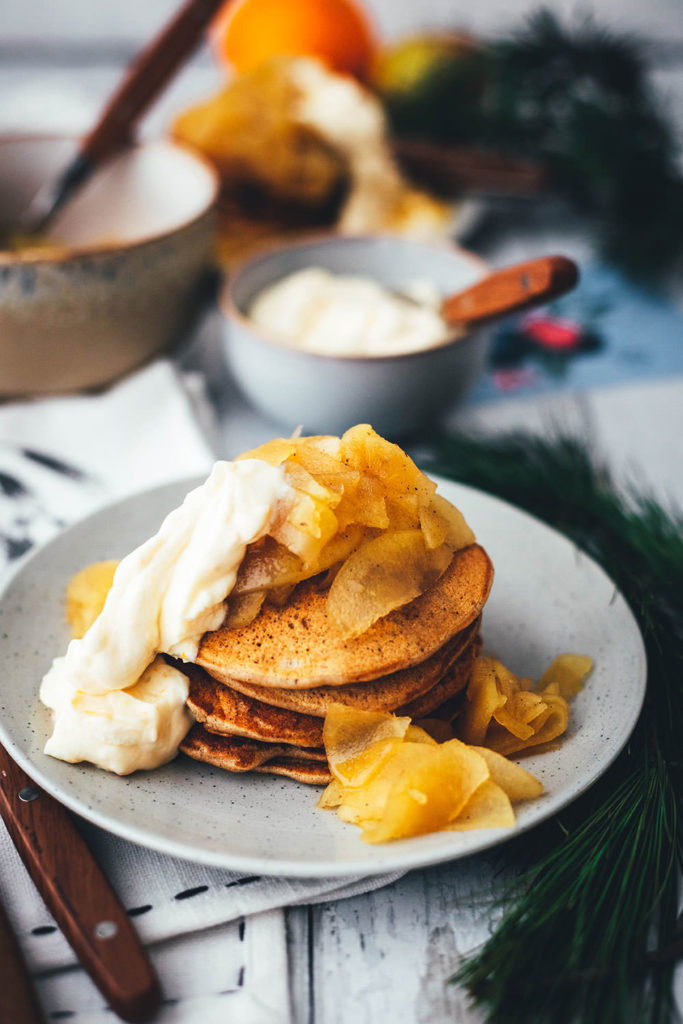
x=130, y=21
x=388, y=956
x=634, y=429
x=639, y=430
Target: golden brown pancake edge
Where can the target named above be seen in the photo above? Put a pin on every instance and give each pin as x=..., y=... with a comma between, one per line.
x=383, y=694
x=293, y=646
x=225, y=711
x=235, y=754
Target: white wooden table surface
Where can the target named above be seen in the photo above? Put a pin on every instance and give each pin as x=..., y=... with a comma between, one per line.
x=384, y=956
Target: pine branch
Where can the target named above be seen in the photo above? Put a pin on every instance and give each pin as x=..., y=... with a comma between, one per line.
x=573, y=943
x=577, y=98
x=580, y=98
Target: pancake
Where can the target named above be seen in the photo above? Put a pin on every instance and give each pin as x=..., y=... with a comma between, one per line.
x=301, y=771
x=384, y=694
x=235, y=754
x=453, y=683
x=222, y=710
x=294, y=647
x=239, y=754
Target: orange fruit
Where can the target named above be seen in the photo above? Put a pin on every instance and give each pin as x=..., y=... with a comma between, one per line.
x=247, y=32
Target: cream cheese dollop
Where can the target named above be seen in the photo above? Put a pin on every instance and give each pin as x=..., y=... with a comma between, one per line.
x=115, y=703
x=348, y=315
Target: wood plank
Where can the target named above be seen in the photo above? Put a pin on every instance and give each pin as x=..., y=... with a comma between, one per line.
x=388, y=955
x=300, y=958
x=640, y=427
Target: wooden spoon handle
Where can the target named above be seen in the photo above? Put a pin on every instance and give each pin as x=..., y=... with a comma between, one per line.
x=78, y=894
x=18, y=1000
x=510, y=290
x=147, y=76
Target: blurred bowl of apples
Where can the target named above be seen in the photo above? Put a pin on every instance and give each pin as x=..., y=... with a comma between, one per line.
x=117, y=277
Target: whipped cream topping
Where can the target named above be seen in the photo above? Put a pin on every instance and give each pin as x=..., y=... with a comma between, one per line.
x=116, y=704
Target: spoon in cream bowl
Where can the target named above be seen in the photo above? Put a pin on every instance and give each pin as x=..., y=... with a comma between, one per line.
x=339, y=345
x=510, y=290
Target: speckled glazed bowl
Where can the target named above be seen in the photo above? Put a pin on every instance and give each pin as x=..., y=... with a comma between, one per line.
x=397, y=394
x=136, y=241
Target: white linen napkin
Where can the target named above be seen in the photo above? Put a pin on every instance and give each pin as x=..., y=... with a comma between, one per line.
x=60, y=458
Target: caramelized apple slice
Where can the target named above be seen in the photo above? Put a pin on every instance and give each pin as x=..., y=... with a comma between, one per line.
x=488, y=807
x=550, y=725
x=268, y=564
x=326, y=468
x=243, y=609
x=431, y=785
x=482, y=699
x=362, y=448
x=515, y=781
x=566, y=673
x=86, y=593
x=355, y=741
x=381, y=575
x=364, y=504
x=274, y=452
x=403, y=512
x=331, y=796
x=443, y=523
x=309, y=525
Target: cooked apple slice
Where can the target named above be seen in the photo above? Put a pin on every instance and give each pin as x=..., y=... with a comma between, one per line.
x=383, y=574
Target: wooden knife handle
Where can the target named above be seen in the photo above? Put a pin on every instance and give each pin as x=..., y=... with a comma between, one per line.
x=148, y=74
x=78, y=894
x=511, y=290
x=18, y=1001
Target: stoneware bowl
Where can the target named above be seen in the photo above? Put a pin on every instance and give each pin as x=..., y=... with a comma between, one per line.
x=397, y=394
x=136, y=242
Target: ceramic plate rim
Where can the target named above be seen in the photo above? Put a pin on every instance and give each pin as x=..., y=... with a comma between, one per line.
x=406, y=857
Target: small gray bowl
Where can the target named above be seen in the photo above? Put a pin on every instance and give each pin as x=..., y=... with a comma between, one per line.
x=397, y=394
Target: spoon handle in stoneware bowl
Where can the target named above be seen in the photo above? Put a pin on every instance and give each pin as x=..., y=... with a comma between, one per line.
x=510, y=290
x=78, y=894
x=147, y=76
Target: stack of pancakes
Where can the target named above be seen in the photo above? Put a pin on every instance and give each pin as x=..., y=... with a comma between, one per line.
x=259, y=693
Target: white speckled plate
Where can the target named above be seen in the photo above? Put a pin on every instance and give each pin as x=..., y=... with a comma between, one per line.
x=547, y=597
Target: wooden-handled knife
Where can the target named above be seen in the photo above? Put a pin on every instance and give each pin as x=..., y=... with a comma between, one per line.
x=78, y=895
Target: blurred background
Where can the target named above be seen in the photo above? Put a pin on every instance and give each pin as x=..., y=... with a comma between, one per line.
x=588, y=99
x=58, y=43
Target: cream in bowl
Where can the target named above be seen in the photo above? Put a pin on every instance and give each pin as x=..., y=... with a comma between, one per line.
x=349, y=315
x=339, y=330
x=116, y=279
